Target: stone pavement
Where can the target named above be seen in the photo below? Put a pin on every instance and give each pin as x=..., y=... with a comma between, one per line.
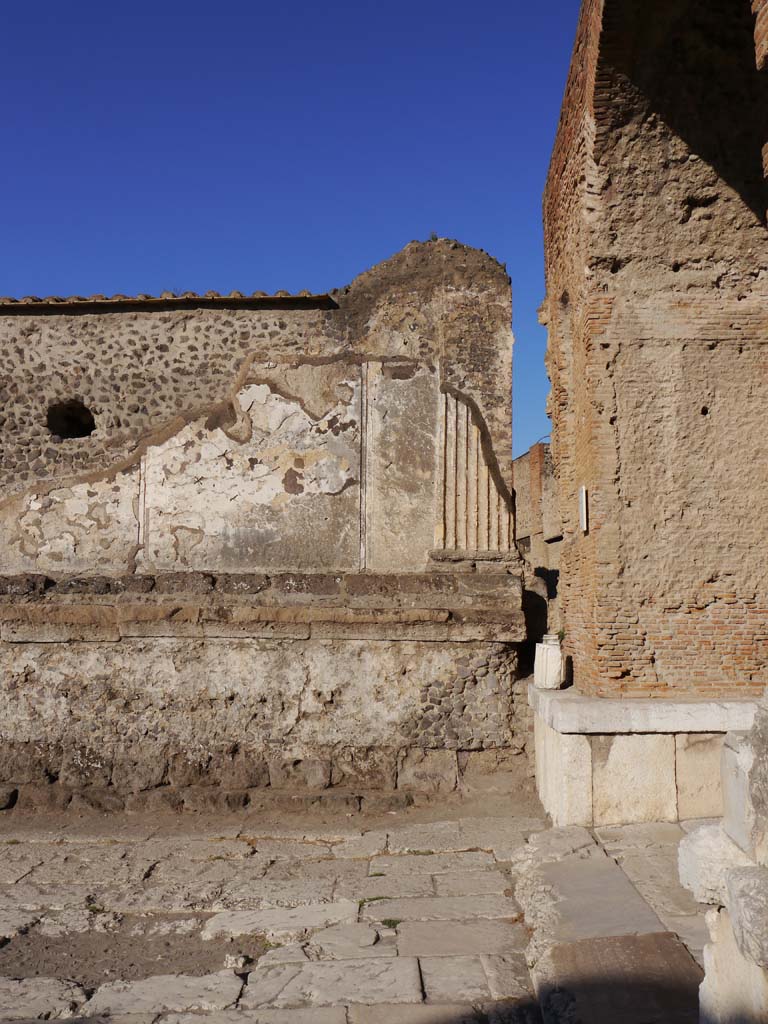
x=459, y=919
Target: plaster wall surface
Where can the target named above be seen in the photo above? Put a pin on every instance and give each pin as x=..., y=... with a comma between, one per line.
x=289, y=536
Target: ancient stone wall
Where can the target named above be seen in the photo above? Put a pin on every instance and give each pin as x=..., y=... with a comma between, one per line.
x=537, y=516
x=263, y=540
x=657, y=254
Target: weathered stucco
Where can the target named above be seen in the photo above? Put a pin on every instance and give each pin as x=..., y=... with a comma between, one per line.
x=289, y=537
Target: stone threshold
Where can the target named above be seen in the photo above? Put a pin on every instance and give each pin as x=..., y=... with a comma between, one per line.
x=568, y=711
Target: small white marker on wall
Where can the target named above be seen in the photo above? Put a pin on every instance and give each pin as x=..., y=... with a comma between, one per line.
x=583, y=510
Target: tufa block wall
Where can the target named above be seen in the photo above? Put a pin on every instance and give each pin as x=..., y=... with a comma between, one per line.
x=657, y=280
x=261, y=541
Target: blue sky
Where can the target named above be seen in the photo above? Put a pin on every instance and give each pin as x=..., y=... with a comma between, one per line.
x=227, y=145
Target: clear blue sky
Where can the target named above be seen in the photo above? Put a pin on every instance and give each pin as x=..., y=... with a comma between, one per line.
x=170, y=145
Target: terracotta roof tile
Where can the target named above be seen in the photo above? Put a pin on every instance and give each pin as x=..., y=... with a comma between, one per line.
x=60, y=303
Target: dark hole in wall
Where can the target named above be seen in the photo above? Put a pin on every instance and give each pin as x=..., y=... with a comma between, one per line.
x=70, y=419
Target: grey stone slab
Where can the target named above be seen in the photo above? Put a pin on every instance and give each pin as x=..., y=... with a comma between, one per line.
x=38, y=997
x=655, y=876
x=289, y=849
x=269, y=893
x=18, y=861
x=433, y=837
x=501, y=837
x=309, y=870
x=349, y=942
x=334, y=983
x=431, y=864
x=285, y=925
x=26, y=896
x=294, y=953
x=368, y=844
x=315, y=1015
x=508, y=976
x=621, y=838
x=424, y=1014
x=13, y=921
x=570, y=712
x=454, y=979
x=460, y=938
x=169, y=992
x=690, y=929
x=442, y=908
x=385, y=886
x=117, y=1018
x=553, y=845
x=582, y=896
x=632, y=979
x=471, y=883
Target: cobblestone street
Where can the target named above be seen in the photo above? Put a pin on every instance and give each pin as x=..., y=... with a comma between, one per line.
x=420, y=916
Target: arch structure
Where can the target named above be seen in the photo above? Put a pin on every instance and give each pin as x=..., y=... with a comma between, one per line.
x=657, y=314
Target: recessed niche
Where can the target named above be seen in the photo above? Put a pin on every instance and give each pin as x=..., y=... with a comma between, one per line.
x=70, y=419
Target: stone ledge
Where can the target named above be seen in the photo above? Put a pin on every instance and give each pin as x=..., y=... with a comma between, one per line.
x=567, y=711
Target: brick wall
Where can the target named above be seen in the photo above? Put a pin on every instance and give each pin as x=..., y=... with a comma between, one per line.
x=537, y=517
x=657, y=256
x=760, y=10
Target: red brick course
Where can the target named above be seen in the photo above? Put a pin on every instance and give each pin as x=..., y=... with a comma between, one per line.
x=657, y=310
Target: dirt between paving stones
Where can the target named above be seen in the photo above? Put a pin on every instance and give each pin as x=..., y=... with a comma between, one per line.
x=126, y=947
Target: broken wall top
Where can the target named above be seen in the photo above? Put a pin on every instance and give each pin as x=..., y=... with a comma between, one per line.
x=365, y=432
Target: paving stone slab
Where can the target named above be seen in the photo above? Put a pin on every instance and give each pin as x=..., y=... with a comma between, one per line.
x=271, y=893
x=632, y=979
x=315, y=1015
x=508, y=976
x=17, y=862
x=38, y=997
x=283, y=849
x=385, y=886
x=691, y=930
x=168, y=992
x=655, y=874
x=435, y=837
x=334, y=983
x=454, y=979
x=13, y=921
x=26, y=896
x=471, y=883
x=459, y=938
x=552, y=845
x=368, y=844
x=112, y=1018
x=286, y=925
x=349, y=942
x=620, y=838
x=309, y=870
x=581, y=897
x=431, y=864
x=425, y=1014
x=293, y=953
x=442, y=908
x=433, y=1014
